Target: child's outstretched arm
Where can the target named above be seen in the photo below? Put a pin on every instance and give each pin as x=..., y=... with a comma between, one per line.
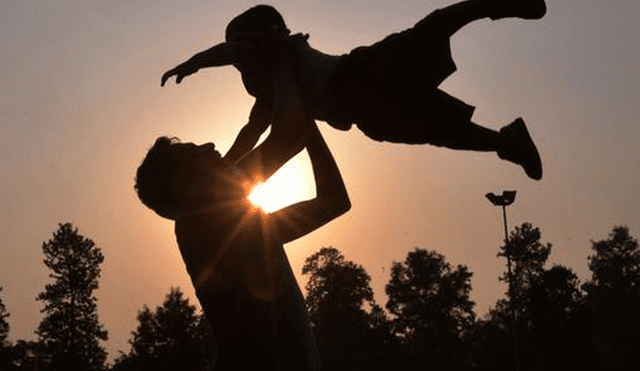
x=223, y=54
x=259, y=121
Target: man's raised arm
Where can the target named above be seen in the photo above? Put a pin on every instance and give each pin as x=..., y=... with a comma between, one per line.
x=331, y=201
x=289, y=122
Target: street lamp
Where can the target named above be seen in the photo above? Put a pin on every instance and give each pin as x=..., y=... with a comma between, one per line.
x=504, y=200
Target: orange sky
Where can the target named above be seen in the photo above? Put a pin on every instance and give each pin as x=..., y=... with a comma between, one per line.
x=80, y=103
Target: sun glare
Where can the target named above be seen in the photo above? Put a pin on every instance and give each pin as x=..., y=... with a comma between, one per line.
x=265, y=197
x=288, y=185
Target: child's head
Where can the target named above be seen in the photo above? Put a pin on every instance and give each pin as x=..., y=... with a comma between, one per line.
x=261, y=19
x=171, y=169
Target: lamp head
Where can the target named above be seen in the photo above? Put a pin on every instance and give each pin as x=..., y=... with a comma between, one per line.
x=506, y=199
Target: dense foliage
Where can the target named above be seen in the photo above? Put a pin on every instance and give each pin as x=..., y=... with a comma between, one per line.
x=613, y=298
x=173, y=336
x=342, y=310
x=430, y=307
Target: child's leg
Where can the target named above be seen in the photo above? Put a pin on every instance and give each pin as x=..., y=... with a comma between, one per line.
x=448, y=20
x=518, y=147
x=512, y=143
x=445, y=121
x=452, y=18
x=473, y=137
x=525, y=9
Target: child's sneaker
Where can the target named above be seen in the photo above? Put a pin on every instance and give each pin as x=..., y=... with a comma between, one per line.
x=519, y=148
x=525, y=9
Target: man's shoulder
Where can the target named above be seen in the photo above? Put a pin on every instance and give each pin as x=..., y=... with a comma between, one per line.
x=218, y=220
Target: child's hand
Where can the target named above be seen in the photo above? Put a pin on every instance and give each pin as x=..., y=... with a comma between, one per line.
x=181, y=71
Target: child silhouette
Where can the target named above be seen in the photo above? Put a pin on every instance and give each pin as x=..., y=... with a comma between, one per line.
x=389, y=90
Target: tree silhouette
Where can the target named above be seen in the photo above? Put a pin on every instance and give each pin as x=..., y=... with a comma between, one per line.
x=556, y=297
x=559, y=334
x=616, y=264
x=431, y=308
x=4, y=324
x=24, y=356
x=344, y=315
x=5, y=345
x=491, y=343
x=551, y=321
x=176, y=322
x=69, y=334
x=171, y=337
x=528, y=257
x=613, y=297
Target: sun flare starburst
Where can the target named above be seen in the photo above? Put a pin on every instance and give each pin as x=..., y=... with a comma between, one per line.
x=285, y=187
x=265, y=197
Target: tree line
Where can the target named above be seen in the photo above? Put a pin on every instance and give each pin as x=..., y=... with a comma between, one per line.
x=547, y=319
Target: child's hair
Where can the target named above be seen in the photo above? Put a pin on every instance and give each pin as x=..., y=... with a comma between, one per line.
x=156, y=177
x=261, y=19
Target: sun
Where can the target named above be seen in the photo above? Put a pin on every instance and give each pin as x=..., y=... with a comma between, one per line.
x=266, y=197
x=288, y=185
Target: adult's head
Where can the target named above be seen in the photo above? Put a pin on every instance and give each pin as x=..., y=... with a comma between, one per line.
x=261, y=19
x=171, y=170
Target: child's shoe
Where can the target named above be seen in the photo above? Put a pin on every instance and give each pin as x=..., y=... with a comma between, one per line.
x=525, y=9
x=519, y=148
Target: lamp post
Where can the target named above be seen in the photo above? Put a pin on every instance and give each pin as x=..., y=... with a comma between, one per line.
x=504, y=200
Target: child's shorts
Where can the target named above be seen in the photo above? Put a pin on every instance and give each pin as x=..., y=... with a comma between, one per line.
x=390, y=89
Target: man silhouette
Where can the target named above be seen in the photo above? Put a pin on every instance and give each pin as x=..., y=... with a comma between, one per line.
x=234, y=252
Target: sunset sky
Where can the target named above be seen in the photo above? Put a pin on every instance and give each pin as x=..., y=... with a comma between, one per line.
x=81, y=102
